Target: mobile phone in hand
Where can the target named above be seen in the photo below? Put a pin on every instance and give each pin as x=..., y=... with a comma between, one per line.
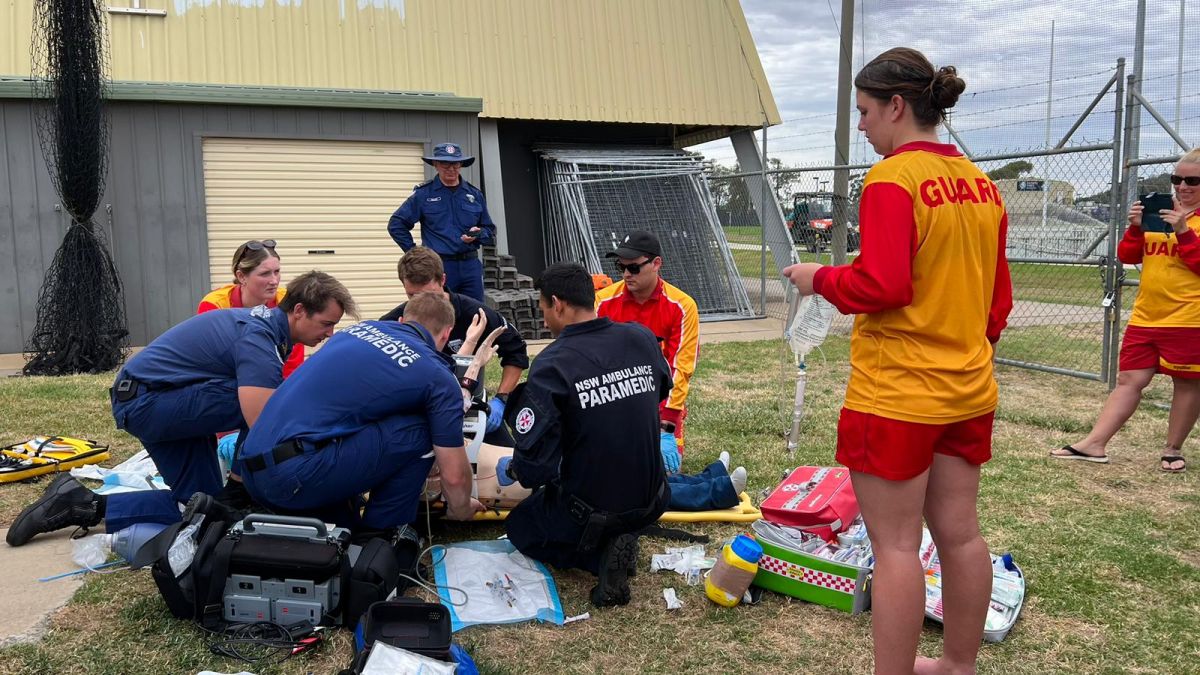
x=1152, y=203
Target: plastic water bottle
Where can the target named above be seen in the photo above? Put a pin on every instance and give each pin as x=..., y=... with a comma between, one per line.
x=728, y=580
x=127, y=542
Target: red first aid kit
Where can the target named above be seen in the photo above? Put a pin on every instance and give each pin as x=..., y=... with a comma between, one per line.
x=815, y=498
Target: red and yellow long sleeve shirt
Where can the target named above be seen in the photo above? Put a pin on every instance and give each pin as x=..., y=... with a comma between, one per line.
x=672, y=316
x=931, y=288
x=1169, y=288
x=229, y=296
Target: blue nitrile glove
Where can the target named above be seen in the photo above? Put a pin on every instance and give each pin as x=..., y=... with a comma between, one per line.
x=495, y=414
x=669, y=447
x=502, y=476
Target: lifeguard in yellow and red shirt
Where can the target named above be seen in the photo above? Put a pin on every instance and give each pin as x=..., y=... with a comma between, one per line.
x=255, y=282
x=644, y=297
x=1163, y=335
x=932, y=292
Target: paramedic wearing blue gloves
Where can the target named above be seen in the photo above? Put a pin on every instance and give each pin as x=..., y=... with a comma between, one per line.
x=213, y=372
x=371, y=412
x=421, y=271
x=586, y=430
x=454, y=220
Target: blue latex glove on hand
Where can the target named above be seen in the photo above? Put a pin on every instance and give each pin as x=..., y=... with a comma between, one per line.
x=669, y=447
x=502, y=476
x=495, y=414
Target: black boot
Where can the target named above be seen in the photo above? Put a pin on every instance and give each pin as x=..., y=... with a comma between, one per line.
x=66, y=503
x=616, y=560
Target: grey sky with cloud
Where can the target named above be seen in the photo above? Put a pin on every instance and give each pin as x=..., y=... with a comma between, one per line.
x=1000, y=47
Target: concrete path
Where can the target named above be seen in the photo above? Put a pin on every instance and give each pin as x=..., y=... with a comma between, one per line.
x=28, y=602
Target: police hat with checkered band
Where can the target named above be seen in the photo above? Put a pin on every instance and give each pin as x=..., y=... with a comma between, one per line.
x=449, y=152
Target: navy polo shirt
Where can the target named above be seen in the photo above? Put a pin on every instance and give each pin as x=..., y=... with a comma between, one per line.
x=370, y=371
x=247, y=345
x=445, y=215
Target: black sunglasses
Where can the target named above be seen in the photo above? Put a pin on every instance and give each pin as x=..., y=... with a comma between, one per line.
x=1193, y=181
x=255, y=245
x=633, y=268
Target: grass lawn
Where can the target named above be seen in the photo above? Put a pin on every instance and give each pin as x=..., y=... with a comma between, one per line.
x=1111, y=553
x=1079, y=285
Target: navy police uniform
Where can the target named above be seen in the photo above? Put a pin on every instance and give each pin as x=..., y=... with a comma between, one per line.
x=181, y=390
x=445, y=215
x=586, y=430
x=362, y=415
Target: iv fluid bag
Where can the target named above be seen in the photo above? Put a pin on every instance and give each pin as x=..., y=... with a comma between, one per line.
x=810, y=325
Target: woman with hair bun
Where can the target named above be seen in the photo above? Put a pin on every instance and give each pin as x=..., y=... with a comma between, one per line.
x=932, y=292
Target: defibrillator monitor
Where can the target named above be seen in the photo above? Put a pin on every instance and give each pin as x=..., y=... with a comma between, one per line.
x=1152, y=203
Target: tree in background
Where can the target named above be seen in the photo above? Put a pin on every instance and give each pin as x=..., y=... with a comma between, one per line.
x=1011, y=170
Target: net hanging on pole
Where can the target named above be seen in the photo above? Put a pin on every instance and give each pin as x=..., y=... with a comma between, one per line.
x=80, y=324
x=592, y=197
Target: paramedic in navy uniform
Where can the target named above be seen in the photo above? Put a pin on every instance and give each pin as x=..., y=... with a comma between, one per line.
x=587, y=438
x=454, y=220
x=211, y=373
x=370, y=412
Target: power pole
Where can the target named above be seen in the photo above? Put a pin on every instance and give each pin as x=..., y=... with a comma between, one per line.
x=841, y=153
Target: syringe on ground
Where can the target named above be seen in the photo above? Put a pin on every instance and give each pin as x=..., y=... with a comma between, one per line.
x=806, y=331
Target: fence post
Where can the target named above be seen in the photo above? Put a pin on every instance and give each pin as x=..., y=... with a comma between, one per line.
x=762, y=228
x=1114, y=274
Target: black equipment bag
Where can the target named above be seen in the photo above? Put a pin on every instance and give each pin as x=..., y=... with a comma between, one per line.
x=372, y=578
x=183, y=591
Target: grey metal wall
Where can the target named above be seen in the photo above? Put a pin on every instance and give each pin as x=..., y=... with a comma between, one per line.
x=155, y=189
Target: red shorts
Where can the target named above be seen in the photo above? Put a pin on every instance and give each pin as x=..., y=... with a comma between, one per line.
x=898, y=450
x=1171, y=351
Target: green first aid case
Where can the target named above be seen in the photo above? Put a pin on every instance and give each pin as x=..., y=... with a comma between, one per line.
x=810, y=577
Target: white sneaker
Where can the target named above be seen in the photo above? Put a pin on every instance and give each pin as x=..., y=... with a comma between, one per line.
x=738, y=478
x=724, y=459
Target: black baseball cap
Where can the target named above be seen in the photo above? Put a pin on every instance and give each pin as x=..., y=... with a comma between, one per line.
x=635, y=245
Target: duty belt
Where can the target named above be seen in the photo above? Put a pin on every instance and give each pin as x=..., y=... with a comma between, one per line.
x=459, y=256
x=282, y=453
x=596, y=523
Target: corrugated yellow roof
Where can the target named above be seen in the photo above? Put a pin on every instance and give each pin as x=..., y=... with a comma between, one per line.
x=683, y=62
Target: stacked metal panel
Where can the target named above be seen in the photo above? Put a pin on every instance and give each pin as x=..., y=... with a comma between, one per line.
x=592, y=197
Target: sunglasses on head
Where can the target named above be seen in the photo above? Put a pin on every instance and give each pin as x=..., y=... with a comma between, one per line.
x=633, y=268
x=255, y=245
x=1192, y=181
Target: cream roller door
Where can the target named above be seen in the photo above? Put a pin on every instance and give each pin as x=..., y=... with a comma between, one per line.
x=326, y=203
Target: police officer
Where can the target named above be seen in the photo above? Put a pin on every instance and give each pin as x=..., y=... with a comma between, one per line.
x=586, y=430
x=213, y=372
x=454, y=220
x=421, y=271
x=370, y=412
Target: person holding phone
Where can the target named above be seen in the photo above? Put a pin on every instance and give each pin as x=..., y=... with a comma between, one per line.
x=932, y=292
x=1163, y=335
x=454, y=220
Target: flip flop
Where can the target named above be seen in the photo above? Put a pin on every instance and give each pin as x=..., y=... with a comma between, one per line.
x=1165, y=461
x=1075, y=454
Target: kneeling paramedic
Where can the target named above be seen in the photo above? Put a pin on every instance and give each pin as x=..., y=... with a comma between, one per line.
x=370, y=412
x=587, y=441
x=211, y=373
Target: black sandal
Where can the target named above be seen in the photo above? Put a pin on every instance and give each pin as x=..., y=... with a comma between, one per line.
x=1166, y=461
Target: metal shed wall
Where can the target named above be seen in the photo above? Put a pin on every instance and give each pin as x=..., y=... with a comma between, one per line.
x=684, y=62
x=155, y=188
